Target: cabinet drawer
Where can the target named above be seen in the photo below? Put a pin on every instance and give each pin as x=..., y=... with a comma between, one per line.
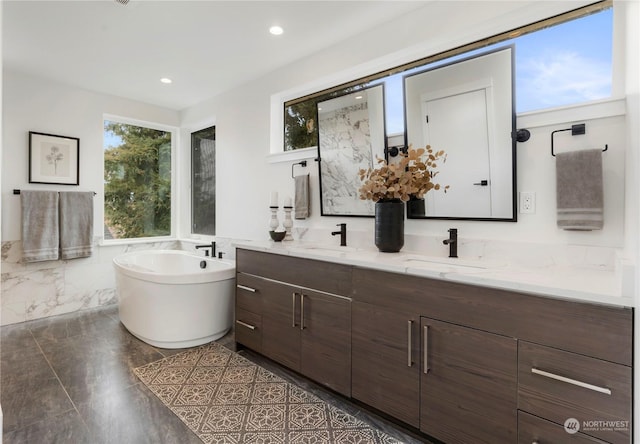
x=532, y=429
x=249, y=292
x=318, y=275
x=558, y=385
x=248, y=329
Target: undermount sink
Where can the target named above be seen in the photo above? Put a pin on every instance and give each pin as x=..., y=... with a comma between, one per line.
x=323, y=248
x=446, y=264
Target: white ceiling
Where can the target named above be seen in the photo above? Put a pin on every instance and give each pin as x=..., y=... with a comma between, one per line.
x=206, y=47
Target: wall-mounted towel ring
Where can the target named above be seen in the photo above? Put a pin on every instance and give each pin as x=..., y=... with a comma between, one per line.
x=576, y=130
x=302, y=163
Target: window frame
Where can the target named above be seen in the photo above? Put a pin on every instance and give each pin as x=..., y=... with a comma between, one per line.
x=175, y=134
x=191, y=234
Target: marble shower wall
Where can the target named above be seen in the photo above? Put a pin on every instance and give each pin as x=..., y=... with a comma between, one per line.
x=49, y=288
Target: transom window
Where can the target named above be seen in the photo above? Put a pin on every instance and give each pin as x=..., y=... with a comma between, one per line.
x=563, y=60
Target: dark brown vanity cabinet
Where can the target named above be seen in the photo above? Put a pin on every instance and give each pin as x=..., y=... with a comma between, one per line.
x=306, y=330
x=310, y=333
x=385, y=360
x=461, y=363
x=485, y=357
x=468, y=384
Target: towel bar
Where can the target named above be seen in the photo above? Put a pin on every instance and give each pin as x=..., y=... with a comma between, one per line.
x=576, y=130
x=17, y=191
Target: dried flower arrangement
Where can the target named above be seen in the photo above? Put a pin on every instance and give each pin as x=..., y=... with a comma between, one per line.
x=411, y=177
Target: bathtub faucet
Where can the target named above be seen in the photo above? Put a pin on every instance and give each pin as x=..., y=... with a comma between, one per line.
x=212, y=245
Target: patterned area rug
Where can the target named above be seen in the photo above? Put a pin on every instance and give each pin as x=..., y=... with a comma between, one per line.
x=225, y=398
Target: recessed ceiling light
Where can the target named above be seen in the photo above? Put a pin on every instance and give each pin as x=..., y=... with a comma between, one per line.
x=166, y=80
x=276, y=30
x=358, y=97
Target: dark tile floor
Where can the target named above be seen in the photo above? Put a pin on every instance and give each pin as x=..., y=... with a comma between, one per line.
x=69, y=380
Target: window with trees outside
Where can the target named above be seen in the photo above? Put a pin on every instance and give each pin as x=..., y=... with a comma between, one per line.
x=137, y=181
x=203, y=181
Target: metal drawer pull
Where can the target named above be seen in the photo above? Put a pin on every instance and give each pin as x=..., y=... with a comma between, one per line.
x=426, y=350
x=409, y=345
x=244, y=324
x=301, y=311
x=595, y=388
x=243, y=287
x=293, y=309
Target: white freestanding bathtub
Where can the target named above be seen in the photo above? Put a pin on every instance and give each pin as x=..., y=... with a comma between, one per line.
x=174, y=299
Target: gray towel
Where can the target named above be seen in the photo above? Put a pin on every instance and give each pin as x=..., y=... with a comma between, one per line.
x=40, y=234
x=579, y=190
x=76, y=224
x=301, y=204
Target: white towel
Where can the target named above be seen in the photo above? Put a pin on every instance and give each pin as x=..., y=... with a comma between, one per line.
x=40, y=232
x=301, y=203
x=76, y=224
x=579, y=190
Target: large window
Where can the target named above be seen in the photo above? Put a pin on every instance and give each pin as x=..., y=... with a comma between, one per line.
x=137, y=181
x=203, y=181
x=563, y=60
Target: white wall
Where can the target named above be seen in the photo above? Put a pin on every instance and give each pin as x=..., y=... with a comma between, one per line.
x=34, y=104
x=244, y=134
x=36, y=290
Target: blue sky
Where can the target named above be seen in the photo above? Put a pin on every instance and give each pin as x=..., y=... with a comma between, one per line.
x=565, y=64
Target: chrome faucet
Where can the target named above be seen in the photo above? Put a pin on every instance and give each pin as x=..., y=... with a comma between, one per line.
x=342, y=233
x=212, y=246
x=452, y=242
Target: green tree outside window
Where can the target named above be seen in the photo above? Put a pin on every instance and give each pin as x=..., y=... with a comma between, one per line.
x=137, y=174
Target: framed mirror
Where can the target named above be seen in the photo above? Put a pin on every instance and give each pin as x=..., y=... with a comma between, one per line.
x=351, y=133
x=466, y=108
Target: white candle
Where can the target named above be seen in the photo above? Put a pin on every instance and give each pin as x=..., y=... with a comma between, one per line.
x=287, y=202
x=274, y=199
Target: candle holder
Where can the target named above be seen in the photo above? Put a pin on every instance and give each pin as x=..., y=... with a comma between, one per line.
x=288, y=223
x=273, y=223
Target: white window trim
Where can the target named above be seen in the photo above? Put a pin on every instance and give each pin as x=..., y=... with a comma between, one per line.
x=175, y=135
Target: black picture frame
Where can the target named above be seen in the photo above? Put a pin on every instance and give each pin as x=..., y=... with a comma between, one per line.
x=54, y=159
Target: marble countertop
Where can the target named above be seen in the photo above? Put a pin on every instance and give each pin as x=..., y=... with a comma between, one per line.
x=589, y=284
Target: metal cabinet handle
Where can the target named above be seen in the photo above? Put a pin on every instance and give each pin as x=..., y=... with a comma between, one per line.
x=595, y=388
x=426, y=350
x=293, y=309
x=409, y=345
x=244, y=324
x=244, y=287
x=301, y=311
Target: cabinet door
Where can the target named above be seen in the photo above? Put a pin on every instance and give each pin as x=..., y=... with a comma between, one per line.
x=385, y=369
x=326, y=340
x=469, y=386
x=281, y=323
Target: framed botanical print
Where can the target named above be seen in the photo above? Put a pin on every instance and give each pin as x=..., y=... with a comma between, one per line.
x=54, y=159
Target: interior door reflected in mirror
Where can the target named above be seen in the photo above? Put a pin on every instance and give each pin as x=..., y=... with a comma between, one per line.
x=351, y=134
x=466, y=108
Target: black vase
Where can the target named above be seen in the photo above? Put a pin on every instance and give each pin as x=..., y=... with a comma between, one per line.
x=389, y=231
x=415, y=208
